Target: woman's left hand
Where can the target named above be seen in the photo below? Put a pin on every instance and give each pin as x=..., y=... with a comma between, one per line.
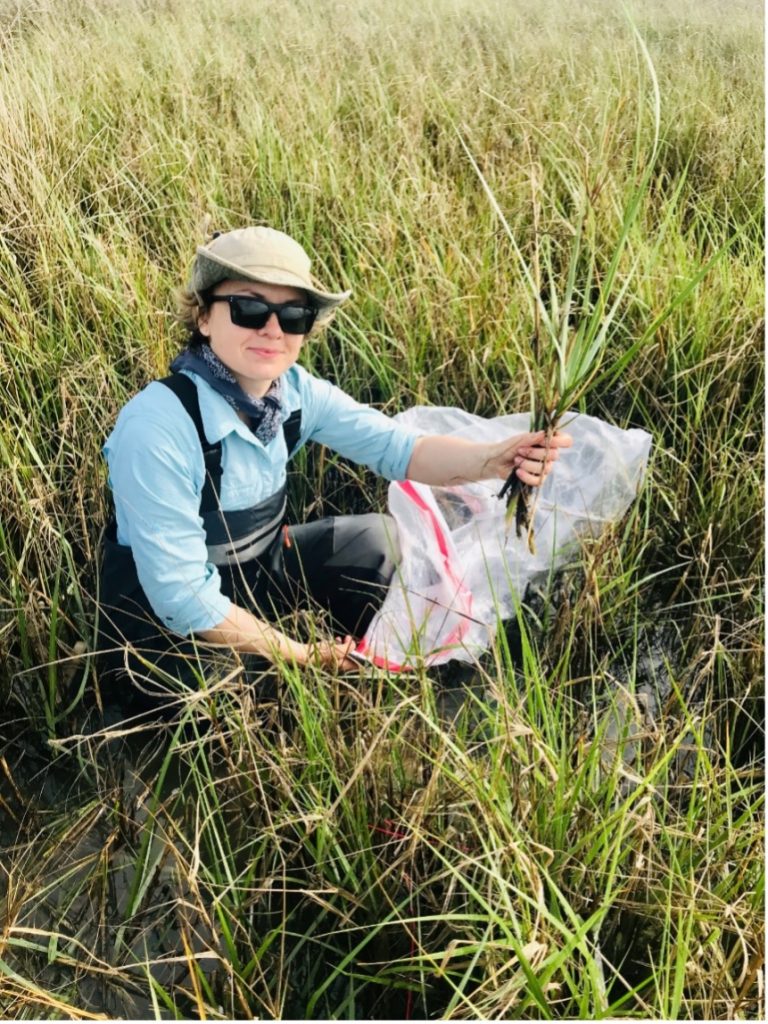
x=442, y=460
x=530, y=456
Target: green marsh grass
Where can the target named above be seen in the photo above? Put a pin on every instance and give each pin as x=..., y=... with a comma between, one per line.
x=585, y=839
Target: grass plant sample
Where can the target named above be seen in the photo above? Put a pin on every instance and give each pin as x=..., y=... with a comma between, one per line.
x=586, y=840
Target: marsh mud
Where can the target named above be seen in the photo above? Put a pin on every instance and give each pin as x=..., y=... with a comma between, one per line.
x=96, y=906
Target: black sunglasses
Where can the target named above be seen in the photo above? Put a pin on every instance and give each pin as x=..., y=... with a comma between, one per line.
x=248, y=311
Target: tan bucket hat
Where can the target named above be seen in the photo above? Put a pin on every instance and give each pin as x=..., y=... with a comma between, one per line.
x=258, y=254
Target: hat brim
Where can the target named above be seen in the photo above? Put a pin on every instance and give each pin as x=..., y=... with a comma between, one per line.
x=210, y=270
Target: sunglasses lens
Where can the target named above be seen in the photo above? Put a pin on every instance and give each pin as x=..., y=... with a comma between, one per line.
x=248, y=312
x=296, y=319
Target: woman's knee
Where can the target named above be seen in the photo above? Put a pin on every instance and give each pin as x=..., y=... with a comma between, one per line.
x=368, y=542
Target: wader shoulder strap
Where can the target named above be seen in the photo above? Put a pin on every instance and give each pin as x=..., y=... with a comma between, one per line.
x=292, y=430
x=185, y=390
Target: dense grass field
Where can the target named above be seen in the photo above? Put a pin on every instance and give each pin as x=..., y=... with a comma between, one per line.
x=585, y=839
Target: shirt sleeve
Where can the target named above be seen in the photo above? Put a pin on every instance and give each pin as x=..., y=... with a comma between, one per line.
x=156, y=483
x=356, y=431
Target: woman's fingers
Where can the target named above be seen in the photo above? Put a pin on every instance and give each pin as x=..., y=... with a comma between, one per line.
x=530, y=442
x=534, y=466
x=532, y=479
x=562, y=440
x=534, y=476
x=536, y=455
x=347, y=664
x=533, y=462
x=335, y=654
x=534, y=459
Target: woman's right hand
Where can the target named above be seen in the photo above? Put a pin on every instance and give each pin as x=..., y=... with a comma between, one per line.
x=245, y=632
x=332, y=655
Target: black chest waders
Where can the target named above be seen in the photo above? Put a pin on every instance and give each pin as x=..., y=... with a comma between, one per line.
x=341, y=564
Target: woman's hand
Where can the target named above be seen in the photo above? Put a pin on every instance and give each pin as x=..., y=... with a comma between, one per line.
x=332, y=655
x=442, y=460
x=530, y=456
x=243, y=631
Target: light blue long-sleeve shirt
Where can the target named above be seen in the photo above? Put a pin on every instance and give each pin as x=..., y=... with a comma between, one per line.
x=157, y=473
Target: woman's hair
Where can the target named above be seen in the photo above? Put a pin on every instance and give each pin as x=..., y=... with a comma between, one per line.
x=189, y=309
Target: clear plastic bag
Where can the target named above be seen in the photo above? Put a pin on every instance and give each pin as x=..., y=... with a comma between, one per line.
x=461, y=569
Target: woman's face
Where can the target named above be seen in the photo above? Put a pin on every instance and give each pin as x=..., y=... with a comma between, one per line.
x=256, y=356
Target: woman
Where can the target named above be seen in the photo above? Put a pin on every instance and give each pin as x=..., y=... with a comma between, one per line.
x=198, y=551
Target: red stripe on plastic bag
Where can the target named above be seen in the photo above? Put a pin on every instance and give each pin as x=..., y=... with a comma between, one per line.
x=458, y=634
